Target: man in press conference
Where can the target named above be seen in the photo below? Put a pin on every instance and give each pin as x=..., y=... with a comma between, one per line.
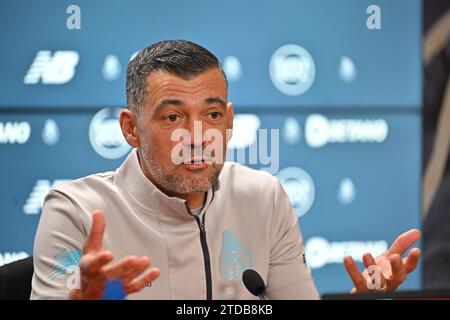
x=171, y=229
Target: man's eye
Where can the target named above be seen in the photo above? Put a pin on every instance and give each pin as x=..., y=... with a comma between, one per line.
x=172, y=118
x=215, y=115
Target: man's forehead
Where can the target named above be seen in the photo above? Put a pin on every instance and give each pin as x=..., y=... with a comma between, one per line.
x=208, y=87
x=212, y=78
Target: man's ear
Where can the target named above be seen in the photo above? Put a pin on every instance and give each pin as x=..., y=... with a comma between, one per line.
x=129, y=126
x=230, y=117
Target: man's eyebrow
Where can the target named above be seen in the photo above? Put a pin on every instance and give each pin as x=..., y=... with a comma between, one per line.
x=215, y=100
x=168, y=102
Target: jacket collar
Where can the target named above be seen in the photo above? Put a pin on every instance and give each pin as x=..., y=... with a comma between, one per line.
x=143, y=191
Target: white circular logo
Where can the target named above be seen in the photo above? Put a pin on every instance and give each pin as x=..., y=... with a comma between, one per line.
x=299, y=187
x=292, y=70
x=317, y=131
x=106, y=136
x=317, y=252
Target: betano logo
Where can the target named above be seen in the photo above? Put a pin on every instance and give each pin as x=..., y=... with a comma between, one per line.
x=58, y=68
x=320, y=252
x=14, y=132
x=319, y=130
x=36, y=198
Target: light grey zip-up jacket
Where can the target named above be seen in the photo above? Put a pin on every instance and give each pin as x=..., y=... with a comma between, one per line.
x=248, y=222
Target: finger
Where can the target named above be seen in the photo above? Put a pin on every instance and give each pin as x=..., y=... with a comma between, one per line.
x=91, y=263
x=143, y=281
x=398, y=272
x=368, y=260
x=411, y=261
x=135, y=271
x=404, y=241
x=94, y=240
x=374, y=272
x=117, y=270
x=358, y=279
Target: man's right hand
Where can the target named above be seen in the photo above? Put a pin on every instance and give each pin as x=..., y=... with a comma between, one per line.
x=95, y=269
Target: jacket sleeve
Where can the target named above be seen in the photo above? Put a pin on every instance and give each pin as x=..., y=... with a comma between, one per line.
x=57, y=248
x=289, y=276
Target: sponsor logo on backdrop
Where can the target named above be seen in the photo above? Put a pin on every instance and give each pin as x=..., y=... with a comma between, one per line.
x=35, y=200
x=292, y=132
x=14, y=132
x=56, y=68
x=346, y=191
x=106, y=135
x=347, y=70
x=112, y=68
x=232, y=68
x=292, y=70
x=299, y=187
x=319, y=130
x=50, y=133
x=8, y=257
x=321, y=252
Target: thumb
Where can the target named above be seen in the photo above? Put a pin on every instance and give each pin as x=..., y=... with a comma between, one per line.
x=94, y=241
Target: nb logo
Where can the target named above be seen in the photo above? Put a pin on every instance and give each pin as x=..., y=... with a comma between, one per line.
x=58, y=68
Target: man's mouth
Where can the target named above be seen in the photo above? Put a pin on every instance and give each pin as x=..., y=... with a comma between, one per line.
x=196, y=163
x=198, y=160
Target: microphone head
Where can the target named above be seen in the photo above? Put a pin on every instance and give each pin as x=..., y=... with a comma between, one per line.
x=253, y=282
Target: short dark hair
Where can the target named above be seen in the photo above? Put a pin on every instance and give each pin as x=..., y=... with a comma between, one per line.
x=182, y=58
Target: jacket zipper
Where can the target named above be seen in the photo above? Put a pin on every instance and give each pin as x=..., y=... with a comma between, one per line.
x=206, y=258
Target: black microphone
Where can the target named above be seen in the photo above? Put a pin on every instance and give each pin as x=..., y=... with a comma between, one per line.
x=254, y=283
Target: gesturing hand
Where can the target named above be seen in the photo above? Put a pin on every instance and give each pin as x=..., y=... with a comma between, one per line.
x=390, y=266
x=95, y=269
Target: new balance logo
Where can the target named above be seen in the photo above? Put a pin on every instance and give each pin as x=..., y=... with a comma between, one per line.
x=36, y=198
x=56, y=69
x=8, y=257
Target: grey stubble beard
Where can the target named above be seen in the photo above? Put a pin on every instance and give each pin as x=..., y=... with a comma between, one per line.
x=169, y=181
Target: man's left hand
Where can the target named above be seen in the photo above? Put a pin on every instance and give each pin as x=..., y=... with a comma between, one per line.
x=390, y=266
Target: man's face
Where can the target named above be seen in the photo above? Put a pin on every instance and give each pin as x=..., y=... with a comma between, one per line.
x=176, y=107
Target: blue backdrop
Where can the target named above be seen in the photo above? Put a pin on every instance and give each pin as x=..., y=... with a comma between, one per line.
x=346, y=100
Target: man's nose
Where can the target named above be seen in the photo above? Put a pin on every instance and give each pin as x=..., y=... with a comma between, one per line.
x=196, y=134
